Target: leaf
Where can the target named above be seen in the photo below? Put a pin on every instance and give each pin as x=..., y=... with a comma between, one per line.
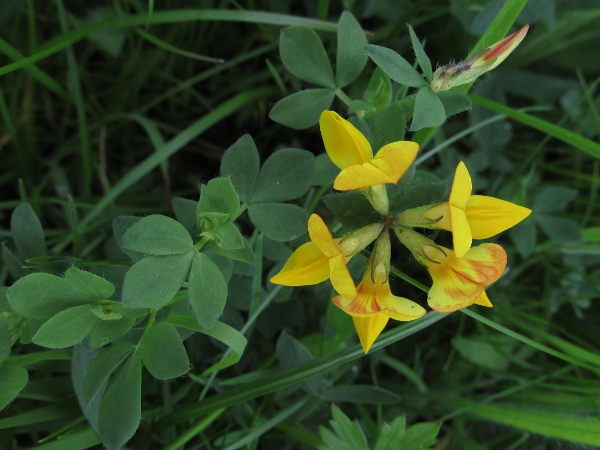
x=102, y=367
x=27, y=232
x=420, y=435
x=13, y=379
x=454, y=102
x=553, y=199
x=244, y=253
x=158, y=235
x=279, y=221
x=559, y=229
x=415, y=195
x=163, y=353
x=227, y=236
x=67, y=328
x=108, y=331
x=524, y=236
x=391, y=434
x=360, y=394
x=348, y=434
x=325, y=171
x=240, y=164
x=185, y=212
x=395, y=66
x=207, y=290
x=120, y=408
x=153, y=281
x=302, y=109
x=12, y=263
x=4, y=338
x=429, y=110
x=285, y=175
x=352, y=209
x=390, y=123
x=351, y=42
x=422, y=57
x=291, y=353
x=41, y=295
x=120, y=226
x=218, y=196
x=90, y=285
x=379, y=91
x=303, y=54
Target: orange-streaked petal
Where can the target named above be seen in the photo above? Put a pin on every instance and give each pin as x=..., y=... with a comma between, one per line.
x=321, y=237
x=345, y=145
x=307, y=265
x=388, y=166
x=461, y=187
x=369, y=328
x=452, y=292
x=340, y=277
x=461, y=232
x=489, y=216
x=483, y=300
x=492, y=57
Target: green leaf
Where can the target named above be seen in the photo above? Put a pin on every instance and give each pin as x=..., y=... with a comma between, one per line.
x=422, y=57
x=291, y=353
x=351, y=42
x=325, y=171
x=120, y=408
x=152, y=282
x=390, y=123
x=302, y=109
x=90, y=285
x=158, y=235
x=553, y=199
x=416, y=195
x=285, y=175
x=4, y=338
x=559, y=229
x=67, y=328
x=352, y=209
x=279, y=221
x=360, y=394
x=13, y=379
x=348, y=434
x=379, y=91
x=163, y=353
x=454, y=102
x=207, y=290
x=218, y=196
x=420, y=435
x=227, y=236
x=240, y=164
x=12, y=263
x=429, y=110
x=108, y=331
x=27, y=232
x=395, y=66
x=41, y=295
x=120, y=226
x=303, y=54
x=102, y=367
x=244, y=254
x=391, y=434
x=185, y=212
x=485, y=352
x=524, y=236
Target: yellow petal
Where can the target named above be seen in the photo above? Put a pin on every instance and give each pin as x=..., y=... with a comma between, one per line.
x=388, y=166
x=461, y=187
x=489, y=216
x=461, y=232
x=482, y=264
x=451, y=291
x=340, y=277
x=441, y=213
x=403, y=309
x=368, y=328
x=345, y=145
x=483, y=300
x=321, y=237
x=307, y=265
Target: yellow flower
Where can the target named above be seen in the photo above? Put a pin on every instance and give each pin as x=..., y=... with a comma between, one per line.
x=472, y=216
x=374, y=304
x=325, y=257
x=459, y=282
x=351, y=152
x=453, y=75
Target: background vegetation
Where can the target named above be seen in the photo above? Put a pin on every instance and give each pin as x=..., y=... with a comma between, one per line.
x=116, y=108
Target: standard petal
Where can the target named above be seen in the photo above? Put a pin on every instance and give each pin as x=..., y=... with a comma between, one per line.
x=345, y=145
x=483, y=300
x=307, y=265
x=461, y=187
x=461, y=232
x=489, y=216
x=388, y=166
x=451, y=292
x=482, y=264
x=369, y=328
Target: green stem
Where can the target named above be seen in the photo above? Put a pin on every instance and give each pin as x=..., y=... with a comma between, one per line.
x=201, y=243
x=343, y=97
x=151, y=321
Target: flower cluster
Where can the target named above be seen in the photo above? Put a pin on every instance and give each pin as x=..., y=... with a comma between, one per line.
x=459, y=275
